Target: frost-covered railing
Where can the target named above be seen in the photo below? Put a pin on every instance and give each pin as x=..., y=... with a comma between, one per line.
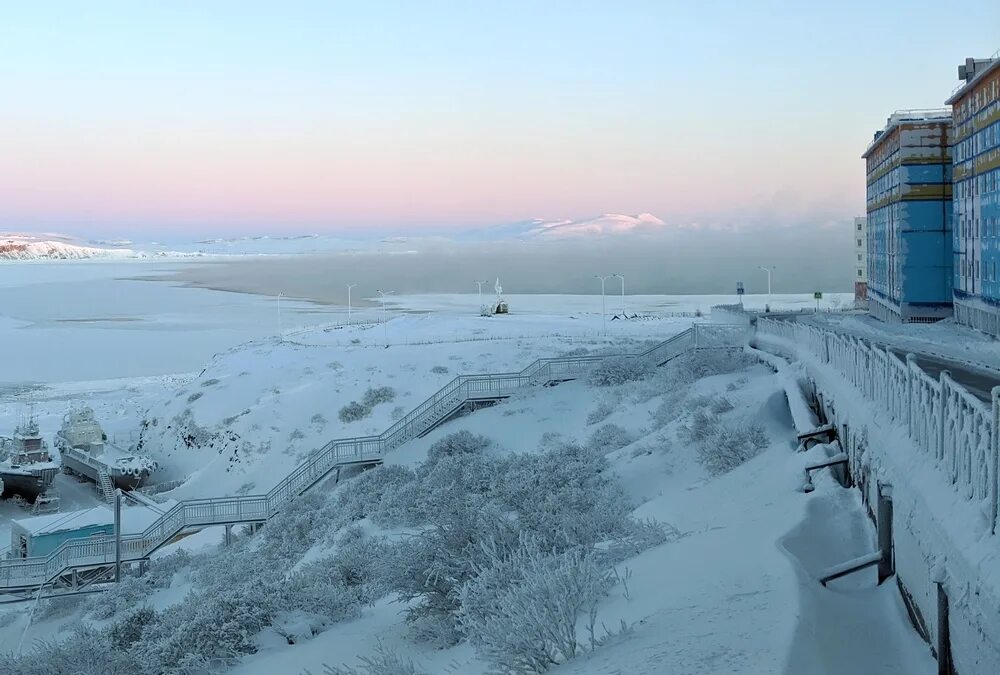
x=959, y=431
x=195, y=513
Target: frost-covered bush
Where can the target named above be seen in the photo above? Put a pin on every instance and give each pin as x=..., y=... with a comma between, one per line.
x=696, y=365
x=377, y=395
x=728, y=445
x=428, y=570
x=701, y=425
x=353, y=412
x=217, y=626
x=383, y=662
x=618, y=370
x=601, y=412
x=458, y=443
x=129, y=591
x=720, y=404
x=565, y=497
x=128, y=631
x=636, y=536
x=86, y=652
x=363, y=495
x=318, y=588
x=521, y=613
x=608, y=438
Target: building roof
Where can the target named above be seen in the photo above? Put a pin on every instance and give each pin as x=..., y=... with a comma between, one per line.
x=135, y=519
x=969, y=84
x=901, y=117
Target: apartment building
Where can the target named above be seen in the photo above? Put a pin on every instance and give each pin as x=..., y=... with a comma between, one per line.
x=861, y=260
x=976, y=204
x=909, y=216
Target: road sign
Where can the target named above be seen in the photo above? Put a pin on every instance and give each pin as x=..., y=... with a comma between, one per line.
x=739, y=288
x=817, y=296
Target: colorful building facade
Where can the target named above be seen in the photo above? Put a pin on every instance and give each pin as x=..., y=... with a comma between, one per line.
x=909, y=216
x=976, y=205
x=861, y=261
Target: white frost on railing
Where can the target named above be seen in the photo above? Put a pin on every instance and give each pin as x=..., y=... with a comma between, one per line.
x=959, y=431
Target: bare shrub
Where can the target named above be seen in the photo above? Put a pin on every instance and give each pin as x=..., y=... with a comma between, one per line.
x=521, y=613
x=600, y=413
x=608, y=438
x=458, y=443
x=377, y=395
x=728, y=445
x=353, y=412
x=618, y=370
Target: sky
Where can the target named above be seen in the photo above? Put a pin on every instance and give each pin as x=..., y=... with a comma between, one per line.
x=177, y=119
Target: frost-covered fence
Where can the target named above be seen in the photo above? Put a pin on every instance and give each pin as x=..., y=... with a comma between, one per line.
x=959, y=431
x=21, y=573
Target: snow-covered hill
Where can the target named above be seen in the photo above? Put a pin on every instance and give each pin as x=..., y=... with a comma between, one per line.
x=25, y=246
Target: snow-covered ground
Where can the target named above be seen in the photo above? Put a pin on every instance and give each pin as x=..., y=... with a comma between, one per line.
x=732, y=591
x=235, y=408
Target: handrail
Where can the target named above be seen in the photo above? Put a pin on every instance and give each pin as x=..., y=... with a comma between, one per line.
x=945, y=420
x=203, y=512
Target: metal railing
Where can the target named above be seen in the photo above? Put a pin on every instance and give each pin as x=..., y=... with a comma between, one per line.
x=20, y=573
x=947, y=422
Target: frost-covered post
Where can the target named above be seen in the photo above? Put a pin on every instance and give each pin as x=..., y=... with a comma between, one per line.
x=911, y=364
x=604, y=304
x=994, y=458
x=118, y=535
x=349, y=287
x=943, y=414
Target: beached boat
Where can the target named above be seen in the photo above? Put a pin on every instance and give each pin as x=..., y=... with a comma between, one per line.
x=85, y=451
x=26, y=467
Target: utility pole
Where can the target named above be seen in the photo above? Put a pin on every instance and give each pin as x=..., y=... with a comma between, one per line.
x=280, y=336
x=480, y=284
x=385, y=322
x=118, y=535
x=622, y=277
x=768, y=270
x=349, y=287
x=604, y=304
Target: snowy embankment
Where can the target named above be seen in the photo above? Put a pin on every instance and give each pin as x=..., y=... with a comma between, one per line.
x=257, y=411
x=654, y=501
x=940, y=535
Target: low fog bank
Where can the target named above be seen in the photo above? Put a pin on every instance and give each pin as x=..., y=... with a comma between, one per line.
x=695, y=262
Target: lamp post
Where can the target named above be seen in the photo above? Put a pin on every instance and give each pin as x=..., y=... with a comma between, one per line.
x=622, y=277
x=280, y=336
x=385, y=322
x=479, y=283
x=604, y=304
x=768, y=270
x=349, y=287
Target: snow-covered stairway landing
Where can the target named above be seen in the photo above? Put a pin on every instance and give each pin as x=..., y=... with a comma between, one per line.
x=59, y=571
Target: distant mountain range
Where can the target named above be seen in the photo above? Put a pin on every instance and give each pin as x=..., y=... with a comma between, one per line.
x=22, y=246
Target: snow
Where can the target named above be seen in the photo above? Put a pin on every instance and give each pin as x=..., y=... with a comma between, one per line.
x=735, y=591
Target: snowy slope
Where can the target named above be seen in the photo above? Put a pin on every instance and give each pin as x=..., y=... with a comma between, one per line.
x=25, y=247
x=257, y=410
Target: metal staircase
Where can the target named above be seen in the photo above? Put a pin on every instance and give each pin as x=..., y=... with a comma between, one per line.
x=31, y=575
x=105, y=486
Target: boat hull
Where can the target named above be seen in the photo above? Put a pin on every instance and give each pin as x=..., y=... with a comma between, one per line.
x=123, y=481
x=28, y=484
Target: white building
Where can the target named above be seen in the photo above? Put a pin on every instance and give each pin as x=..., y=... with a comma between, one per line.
x=860, y=260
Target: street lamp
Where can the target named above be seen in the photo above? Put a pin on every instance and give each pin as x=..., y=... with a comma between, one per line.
x=768, y=270
x=349, y=287
x=385, y=322
x=622, y=277
x=604, y=304
x=280, y=336
x=479, y=283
